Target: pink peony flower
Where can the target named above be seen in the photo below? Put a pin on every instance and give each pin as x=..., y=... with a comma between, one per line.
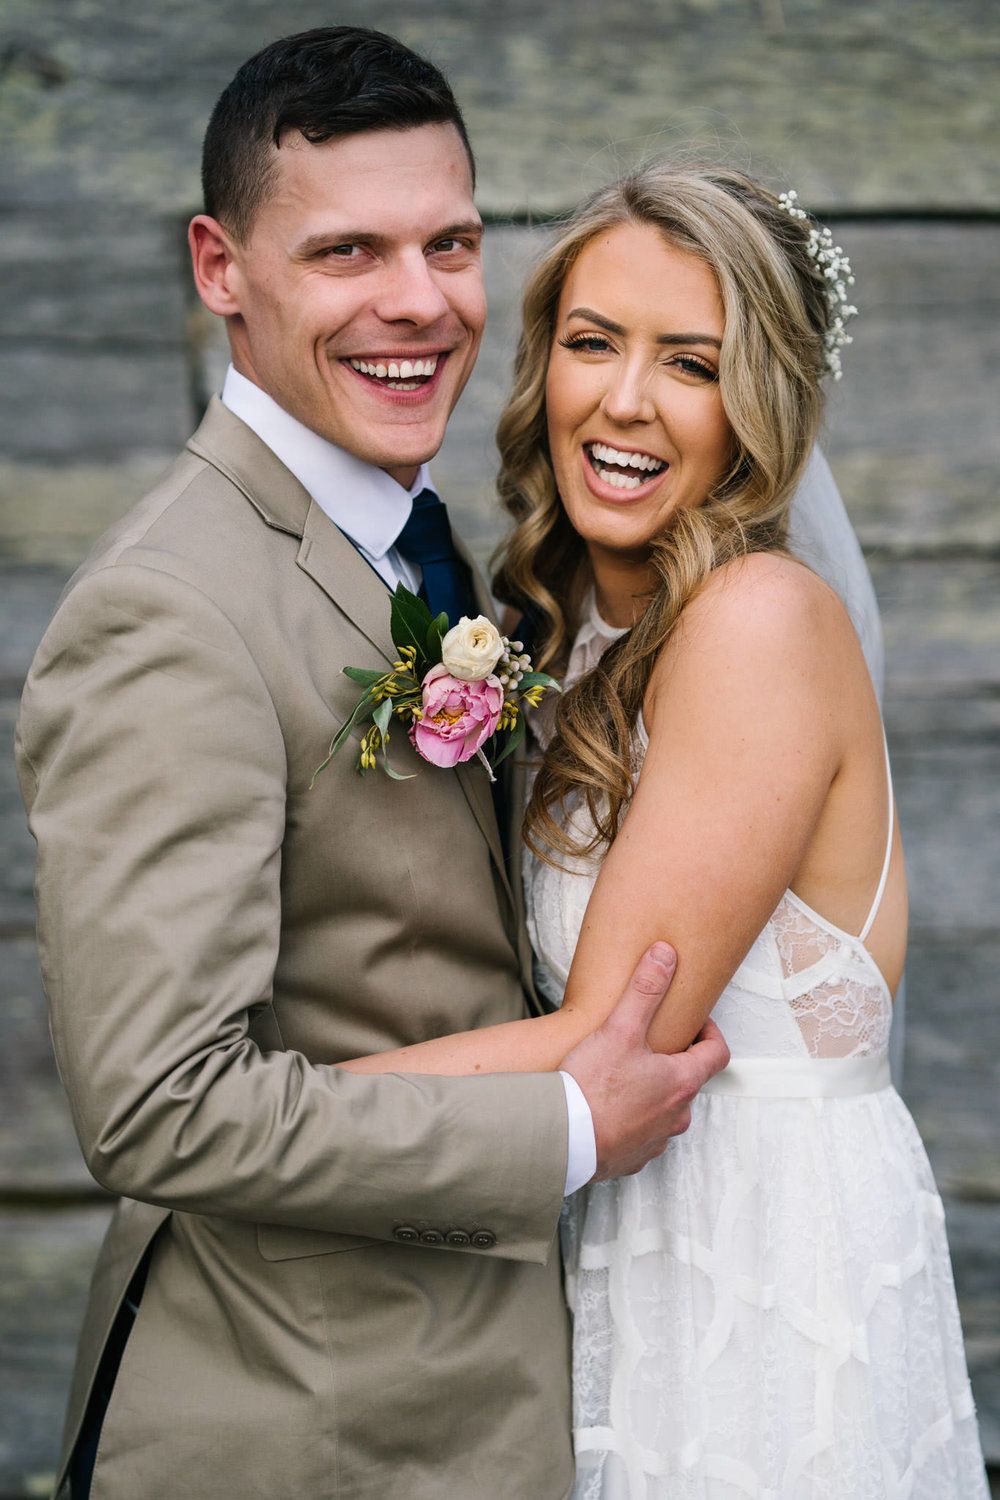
x=458, y=717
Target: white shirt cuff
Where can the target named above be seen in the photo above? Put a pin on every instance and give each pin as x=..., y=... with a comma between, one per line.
x=581, y=1156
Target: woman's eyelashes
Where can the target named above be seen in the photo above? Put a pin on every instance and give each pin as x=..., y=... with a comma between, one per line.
x=598, y=343
x=588, y=343
x=692, y=365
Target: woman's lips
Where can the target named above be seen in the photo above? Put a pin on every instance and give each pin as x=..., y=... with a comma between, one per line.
x=625, y=470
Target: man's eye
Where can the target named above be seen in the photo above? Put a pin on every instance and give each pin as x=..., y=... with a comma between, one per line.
x=343, y=252
x=446, y=245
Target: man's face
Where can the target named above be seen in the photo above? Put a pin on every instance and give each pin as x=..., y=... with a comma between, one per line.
x=360, y=292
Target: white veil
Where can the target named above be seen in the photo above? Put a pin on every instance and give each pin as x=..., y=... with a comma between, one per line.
x=821, y=534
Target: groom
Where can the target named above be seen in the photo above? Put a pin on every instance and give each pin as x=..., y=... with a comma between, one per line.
x=317, y=1283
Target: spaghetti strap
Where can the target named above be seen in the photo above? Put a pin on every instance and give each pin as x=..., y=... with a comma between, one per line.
x=873, y=912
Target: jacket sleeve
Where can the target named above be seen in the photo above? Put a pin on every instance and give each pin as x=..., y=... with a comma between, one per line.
x=153, y=767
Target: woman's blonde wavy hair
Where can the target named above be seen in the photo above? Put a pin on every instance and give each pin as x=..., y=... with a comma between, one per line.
x=771, y=365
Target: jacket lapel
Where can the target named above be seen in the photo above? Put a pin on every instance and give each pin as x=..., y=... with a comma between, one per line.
x=334, y=564
x=342, y=573
x=325, y=553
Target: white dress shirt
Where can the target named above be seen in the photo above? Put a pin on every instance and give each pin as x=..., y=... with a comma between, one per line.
x=371, y=509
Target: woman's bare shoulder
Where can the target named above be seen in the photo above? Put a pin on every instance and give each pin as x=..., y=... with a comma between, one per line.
x=761, y=625
x=764, y=604
x=767, y=587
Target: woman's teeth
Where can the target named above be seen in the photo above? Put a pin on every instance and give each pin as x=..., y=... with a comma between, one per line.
x=399, y=375
x=601, y=457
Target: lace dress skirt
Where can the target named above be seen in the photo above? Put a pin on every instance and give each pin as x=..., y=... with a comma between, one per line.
x=768, y=1311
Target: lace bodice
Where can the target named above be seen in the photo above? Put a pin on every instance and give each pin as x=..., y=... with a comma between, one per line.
x=806, y=989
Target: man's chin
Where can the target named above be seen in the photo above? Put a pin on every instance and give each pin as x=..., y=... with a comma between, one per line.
x=398, y=458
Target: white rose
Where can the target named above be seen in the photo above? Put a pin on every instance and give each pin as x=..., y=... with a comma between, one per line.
x=471, y=649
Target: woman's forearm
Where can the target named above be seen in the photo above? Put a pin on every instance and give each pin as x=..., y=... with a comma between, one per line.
x=536, y=1044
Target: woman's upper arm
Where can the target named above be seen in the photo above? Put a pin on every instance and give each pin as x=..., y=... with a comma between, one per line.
x=743, y=748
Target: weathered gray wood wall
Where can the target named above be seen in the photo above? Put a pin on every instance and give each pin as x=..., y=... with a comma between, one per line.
x=884, y=115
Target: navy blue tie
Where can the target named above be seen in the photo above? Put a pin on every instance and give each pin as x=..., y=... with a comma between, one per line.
x=427, y=541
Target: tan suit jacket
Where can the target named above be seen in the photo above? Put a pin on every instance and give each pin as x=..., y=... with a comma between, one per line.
x=214, y=935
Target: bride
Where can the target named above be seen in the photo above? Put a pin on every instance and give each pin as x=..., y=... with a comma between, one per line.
x=767, y=1310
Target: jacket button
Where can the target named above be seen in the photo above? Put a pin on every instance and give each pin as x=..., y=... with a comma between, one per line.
x=431, y=1237
x=458, y=1238
x=483, y=1239
x=405, y=1234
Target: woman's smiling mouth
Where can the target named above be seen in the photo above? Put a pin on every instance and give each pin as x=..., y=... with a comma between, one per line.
x=623, y=470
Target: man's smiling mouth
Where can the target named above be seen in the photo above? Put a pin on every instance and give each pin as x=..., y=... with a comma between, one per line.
x=398, y=374
x=623, y=470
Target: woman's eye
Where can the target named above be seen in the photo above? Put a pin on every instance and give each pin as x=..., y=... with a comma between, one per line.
x=589, y=343
x=692, y=365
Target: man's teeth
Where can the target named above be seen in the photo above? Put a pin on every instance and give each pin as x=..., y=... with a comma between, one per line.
x=395, y=371
x=647, y=465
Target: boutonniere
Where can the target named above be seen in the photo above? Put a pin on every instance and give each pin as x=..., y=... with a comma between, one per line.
x=456, y=690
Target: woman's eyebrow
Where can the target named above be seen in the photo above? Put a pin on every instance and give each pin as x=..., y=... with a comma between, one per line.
x=689, y=338
x=590, y=316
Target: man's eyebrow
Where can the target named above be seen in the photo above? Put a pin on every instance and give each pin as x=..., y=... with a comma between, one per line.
x=315, y=244
x=669, y=339
x=468, y=227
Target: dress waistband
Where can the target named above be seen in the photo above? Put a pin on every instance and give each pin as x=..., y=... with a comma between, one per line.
x=801, y=1078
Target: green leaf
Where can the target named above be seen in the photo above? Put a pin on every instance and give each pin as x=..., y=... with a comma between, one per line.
x=365, y=675
x=409, y=619
x=362, y=710
x=383, y=717
x=405, y=597
x=397, y=775
x=516, y=736
x=436, y=631
x=536, y=679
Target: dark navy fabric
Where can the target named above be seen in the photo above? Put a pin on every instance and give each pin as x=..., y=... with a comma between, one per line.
x=427, y=541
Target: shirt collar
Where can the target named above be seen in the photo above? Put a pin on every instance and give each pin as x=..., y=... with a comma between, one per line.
x=366, y=503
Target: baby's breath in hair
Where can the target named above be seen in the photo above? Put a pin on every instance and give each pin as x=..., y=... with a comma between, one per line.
x=835, y=269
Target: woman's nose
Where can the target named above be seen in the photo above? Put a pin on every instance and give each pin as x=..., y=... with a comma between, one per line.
x=627, y=399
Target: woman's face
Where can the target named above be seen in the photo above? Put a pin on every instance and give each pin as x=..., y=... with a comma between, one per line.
x=635, y=417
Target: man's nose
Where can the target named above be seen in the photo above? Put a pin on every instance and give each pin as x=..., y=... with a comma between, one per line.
x=409, y=292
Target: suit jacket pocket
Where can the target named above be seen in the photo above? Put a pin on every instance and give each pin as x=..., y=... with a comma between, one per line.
x=284, y=1242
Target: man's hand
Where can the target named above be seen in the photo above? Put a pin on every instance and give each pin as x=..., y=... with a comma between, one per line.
x=640, y=1098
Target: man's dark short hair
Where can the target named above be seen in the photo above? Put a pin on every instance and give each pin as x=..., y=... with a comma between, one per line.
x=332, y=82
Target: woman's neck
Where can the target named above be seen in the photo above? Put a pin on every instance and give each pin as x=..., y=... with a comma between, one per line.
x=622, y=587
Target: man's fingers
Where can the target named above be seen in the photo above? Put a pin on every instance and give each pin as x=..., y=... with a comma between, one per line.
x=709, y=1031
x=641, y=997
x=708, y=1052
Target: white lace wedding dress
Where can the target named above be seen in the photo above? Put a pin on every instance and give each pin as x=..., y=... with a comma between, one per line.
x=767, y=1310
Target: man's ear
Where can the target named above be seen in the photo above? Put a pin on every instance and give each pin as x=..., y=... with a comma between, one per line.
x=212, y=256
